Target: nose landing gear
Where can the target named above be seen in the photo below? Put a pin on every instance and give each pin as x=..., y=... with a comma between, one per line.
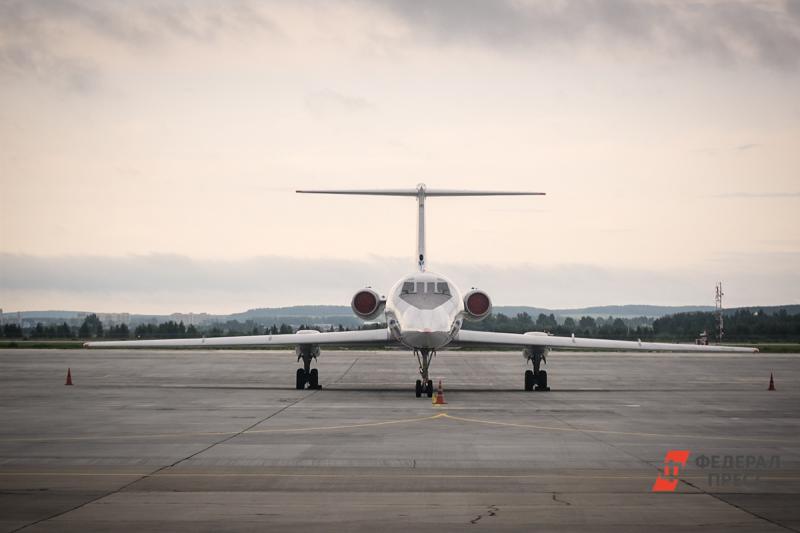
x=536, y=379
x=309, y=375
x=424, y=385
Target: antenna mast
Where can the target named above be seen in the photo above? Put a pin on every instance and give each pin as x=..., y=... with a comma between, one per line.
x=718, y=305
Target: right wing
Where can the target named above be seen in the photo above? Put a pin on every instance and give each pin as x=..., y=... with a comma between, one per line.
x=292, y=339
x=539, y=339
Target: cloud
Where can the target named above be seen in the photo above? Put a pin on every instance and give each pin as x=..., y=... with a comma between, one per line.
x=58, y=41
x=328, y=102
x=757, y=195
x=167, y=283
x=726, y=32
x=745, y=147
x=62, y=42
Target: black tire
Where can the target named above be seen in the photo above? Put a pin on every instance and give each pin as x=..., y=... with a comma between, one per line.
x=301, y=379
x=529, y=380
x=429, y=389
x=418, y=389
x=541, y=381
x=313, y=379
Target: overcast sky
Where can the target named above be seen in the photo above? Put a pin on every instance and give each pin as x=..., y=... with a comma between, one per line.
x=149, y=150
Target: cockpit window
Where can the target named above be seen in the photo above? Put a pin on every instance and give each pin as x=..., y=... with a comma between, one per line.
x=425, y=294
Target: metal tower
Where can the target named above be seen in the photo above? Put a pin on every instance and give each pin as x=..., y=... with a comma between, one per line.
x=718, y=305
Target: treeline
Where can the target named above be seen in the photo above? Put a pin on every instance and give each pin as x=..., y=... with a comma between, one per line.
x=93, y=328
x=607, y=328
x=742, y=326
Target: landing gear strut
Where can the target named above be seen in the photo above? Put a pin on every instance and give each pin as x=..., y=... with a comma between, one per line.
x=536, y=378
x=424, y=385
x=309, y=375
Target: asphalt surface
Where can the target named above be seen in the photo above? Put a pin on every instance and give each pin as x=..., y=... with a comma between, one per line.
x=221, y=441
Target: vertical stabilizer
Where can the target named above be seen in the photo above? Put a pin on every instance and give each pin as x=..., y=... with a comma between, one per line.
x=421, y=192
x=421, y=227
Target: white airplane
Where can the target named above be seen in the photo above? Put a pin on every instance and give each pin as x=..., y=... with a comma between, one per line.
x=424, y=312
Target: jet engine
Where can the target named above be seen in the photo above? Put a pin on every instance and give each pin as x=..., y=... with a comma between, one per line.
x=477, y=305
x=367, y=304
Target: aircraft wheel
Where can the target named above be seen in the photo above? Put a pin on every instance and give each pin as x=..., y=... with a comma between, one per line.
x=313, y=379
x=429, y=388
x=418, y=389
x=301, y=379
x=529, y=380
x=541, y=381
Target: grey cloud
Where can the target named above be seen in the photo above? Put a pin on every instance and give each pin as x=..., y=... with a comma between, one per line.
x=33, y=32
x=745, y=147
x=175, y=272
x=727, y=32
x=751, y=280
x=70, y=73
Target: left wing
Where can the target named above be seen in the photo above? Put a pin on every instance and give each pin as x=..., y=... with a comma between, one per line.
x=539, y=339
x=291, y=339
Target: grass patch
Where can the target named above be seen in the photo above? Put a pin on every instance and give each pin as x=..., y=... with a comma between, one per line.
x=61, y=345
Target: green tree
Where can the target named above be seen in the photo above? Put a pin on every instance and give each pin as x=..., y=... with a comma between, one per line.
x=12, y=331
x=92, y=327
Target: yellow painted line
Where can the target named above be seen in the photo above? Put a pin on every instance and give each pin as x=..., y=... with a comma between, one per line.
x=395, y=422
x=610, y=432
x=348, y=426
x=223, y=433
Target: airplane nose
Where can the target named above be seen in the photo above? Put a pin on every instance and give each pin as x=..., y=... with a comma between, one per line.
x=425, y=339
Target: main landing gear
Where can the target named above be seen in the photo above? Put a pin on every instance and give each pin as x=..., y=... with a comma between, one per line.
x=535, y=379
x=308, y=375
x=424, y=385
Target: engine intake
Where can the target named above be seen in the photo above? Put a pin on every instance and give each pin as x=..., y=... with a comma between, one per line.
x=367, y=304
x=477, y=305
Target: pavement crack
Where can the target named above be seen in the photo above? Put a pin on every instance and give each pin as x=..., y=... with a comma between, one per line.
x=492, y=510
x=347, y=370
x=682, y=480
x=739, y=507
x=557, y=499
x=165, y=467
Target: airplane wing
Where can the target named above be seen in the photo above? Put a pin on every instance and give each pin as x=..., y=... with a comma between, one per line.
x=540, y=339
x=304, y=337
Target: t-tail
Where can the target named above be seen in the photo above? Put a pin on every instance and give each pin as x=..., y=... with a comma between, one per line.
x=421, y=192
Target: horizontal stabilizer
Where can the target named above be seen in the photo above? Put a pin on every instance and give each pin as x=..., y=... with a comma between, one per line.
x=415, y=192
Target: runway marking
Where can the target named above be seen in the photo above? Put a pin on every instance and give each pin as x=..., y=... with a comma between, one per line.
x=350, y=426
x=220, y=433
x=396, y=422
x=364, y=476
x=611, y=432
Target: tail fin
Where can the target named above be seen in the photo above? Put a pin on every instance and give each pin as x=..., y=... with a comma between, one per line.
x=421, y=192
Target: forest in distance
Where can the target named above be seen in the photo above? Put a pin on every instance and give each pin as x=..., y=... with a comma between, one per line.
x=743, y=326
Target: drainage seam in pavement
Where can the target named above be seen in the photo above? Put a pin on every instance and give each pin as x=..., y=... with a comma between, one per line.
x=682, y=480
x=156, y=471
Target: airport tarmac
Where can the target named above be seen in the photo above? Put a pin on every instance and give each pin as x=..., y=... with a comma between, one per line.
x=221, y=441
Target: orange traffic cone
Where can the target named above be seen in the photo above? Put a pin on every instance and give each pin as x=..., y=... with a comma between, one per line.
x=771, y=382
x=439, y=398
x=69, y=377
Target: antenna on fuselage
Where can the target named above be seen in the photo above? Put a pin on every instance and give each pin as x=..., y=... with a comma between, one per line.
x=421, y=192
